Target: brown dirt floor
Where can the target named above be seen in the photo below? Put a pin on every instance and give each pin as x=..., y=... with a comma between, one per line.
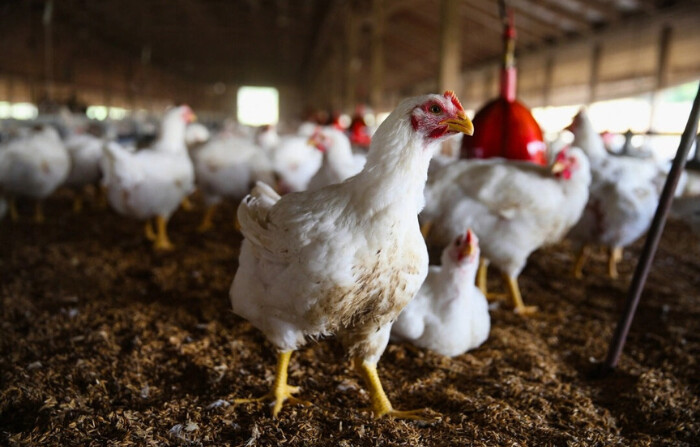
x=105, y=343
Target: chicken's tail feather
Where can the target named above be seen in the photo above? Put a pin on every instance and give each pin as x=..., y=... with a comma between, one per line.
x=115, y=166
x=253, y=213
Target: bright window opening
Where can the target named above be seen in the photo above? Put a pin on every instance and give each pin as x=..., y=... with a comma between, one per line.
x=5, y=110
x=97, y=112
x=258, y=106
x=24, y=111
x=117, y=113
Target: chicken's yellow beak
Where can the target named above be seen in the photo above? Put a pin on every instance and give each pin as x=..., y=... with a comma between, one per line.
x=466, y=251
x=558, y=167
x=461, y=123
x=469, y=245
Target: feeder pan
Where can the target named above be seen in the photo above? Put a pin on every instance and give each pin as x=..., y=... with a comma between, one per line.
x=504, y=127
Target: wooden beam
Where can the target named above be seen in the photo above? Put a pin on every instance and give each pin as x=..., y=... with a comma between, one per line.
x=400, y=5
x=596, y=53
x=324, y=35
x=488, y=16
x=351, y=60
x=662, y=63
x=548, y=78
x=377, y=55
x=530, y=18
x=450, y=47
x=554, y=7
x=606, y=9
x=407, y=26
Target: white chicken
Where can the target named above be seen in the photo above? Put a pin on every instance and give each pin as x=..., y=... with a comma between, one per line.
x=227, y=167
x=450, y=315
x=307, y=128
x=196, y=134
x=345, y=259
x=33, y=166
x=85, y=152
x=295, y=162
x=339, y=163
x=151, y=183
x=514, y=207
x=267, y=138
x=624, y=195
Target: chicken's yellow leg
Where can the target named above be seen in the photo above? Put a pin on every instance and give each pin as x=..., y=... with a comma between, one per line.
x=425, y=229
x=78, y=202
x=148, y=230
x=482, y=281
x=186, y=204
x=207, y=224
x=381, y=406
x=14, y=215
x=280, y=391
x=613, y=259
x=38, y=212
x=518, y=306
x=162, y=242
x=580, y=261
x=482, y=276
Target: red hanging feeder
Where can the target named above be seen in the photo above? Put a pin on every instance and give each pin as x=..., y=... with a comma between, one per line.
x=504, y=126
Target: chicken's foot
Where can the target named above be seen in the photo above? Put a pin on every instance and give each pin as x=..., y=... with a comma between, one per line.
x=148, y=231
x=281, y=391
x=425, y=229
x=207, y=223
x=580, y=261
x=186, y=204
x=38, y=212
x=482, y=276
x=162, y=242
x=381, y=406
x=614, y=257
x=78, y=202
x=518, y=306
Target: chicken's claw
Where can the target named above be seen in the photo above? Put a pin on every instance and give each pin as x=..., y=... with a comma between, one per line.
x=423, y=414
x=526, y=310
x=279, y=395
x=281, y=392
x=381, y=406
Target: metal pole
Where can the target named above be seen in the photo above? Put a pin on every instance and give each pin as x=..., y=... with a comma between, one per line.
x=652, y=241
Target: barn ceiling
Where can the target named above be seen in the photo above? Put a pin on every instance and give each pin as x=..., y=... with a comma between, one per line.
x=287, y=42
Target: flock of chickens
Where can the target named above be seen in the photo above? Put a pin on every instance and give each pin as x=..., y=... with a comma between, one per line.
x=335, y=237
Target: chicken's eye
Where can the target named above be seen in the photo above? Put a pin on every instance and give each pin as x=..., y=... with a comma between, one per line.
x=436, y=109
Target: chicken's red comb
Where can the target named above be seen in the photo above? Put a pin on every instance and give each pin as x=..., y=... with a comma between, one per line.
x=470, y=236
x=451, y=95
